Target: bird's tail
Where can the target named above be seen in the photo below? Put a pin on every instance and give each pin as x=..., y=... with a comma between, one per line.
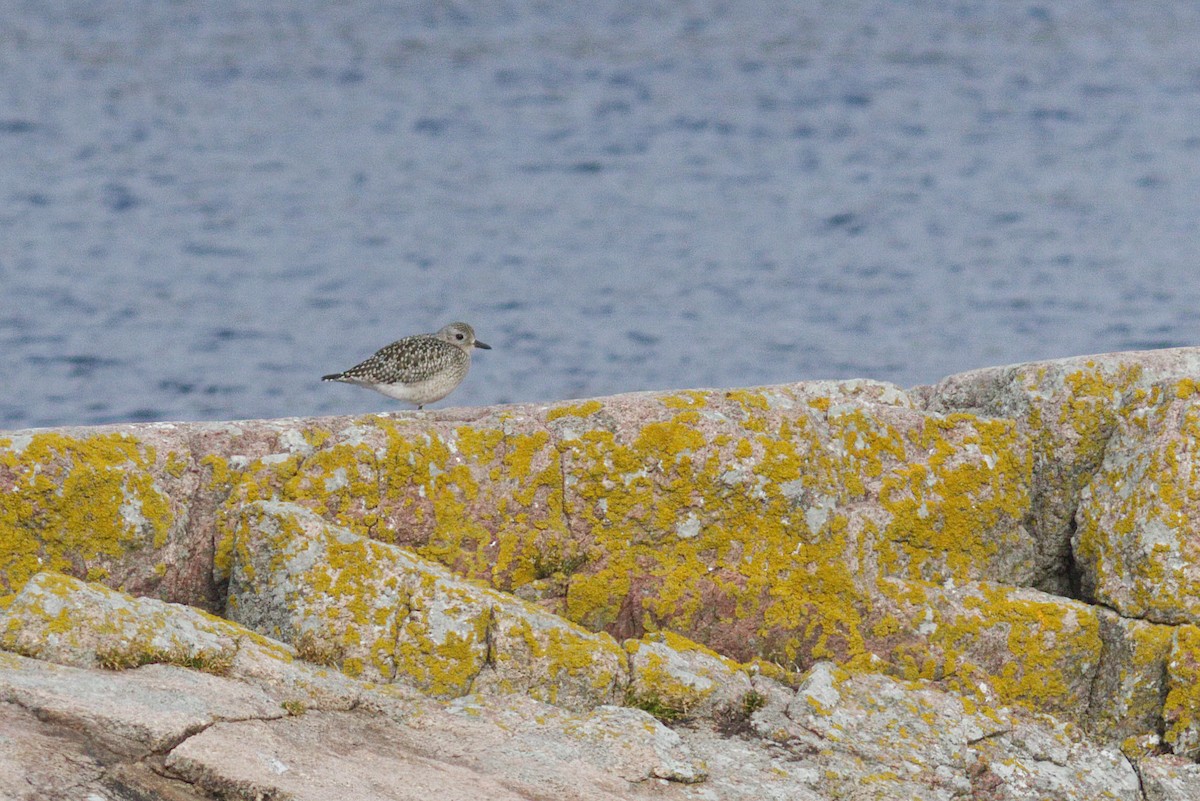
x=332, y=377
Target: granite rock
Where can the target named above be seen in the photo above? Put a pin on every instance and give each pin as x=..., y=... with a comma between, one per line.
x=1018, y=541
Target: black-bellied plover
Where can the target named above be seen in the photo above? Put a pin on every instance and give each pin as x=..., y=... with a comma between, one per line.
x=419, y=369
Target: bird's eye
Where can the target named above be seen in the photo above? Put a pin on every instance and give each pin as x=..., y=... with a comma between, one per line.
x=458, y=336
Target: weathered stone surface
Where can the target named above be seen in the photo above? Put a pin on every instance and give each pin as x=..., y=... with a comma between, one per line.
x=319, y=756
x=133, y=713
x=162, y=731
x=1019, y=539
x=1181, y=710
x=61, y=619
x=505, y=753
x=839, y=735
x=1138, y=538
x=621, y=742
x=1169, y=778
x=678, y=678
x=908, y=740
x=1068, y=408
x=233, y=736
x=383, y=614
x=38, y=761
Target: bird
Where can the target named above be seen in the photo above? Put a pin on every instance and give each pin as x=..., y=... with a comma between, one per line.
x=417, y=369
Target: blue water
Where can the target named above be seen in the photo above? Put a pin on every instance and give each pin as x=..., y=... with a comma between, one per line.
x=206, y=206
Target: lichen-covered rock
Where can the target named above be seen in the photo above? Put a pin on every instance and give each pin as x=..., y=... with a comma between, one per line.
x=676, y=678
x=909, y=740
x=1138, y=537
x=382, y=614
x=85, y=504
x=1126, y=699
x=957, y=534
x=1069, y=409
x=1181, y=711
x=132, y=506
x=754, y=521
x=663, y=753
x=620, y=504
x=1006, y=645
x=61, y=619
x=545, y=657
x=337, y=596
x=970, y=637
x=891, y=724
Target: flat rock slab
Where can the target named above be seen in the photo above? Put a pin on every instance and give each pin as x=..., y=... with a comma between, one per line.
x=321, y=756
x=135, y=712
x=41, y=759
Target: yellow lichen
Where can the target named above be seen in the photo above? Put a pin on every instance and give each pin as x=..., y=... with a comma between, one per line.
x=1150, y=495
x=749, y=401
x=1183, y=693
x=586, y=409
x=1186, y=388
x=957, y=509
x=77, y=505
x=176, y=464
x=1050, y=648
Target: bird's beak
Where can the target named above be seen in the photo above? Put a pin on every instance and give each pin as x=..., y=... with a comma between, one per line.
x=483, y=345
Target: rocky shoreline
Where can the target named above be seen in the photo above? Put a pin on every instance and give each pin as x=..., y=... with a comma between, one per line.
x=987, y=588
